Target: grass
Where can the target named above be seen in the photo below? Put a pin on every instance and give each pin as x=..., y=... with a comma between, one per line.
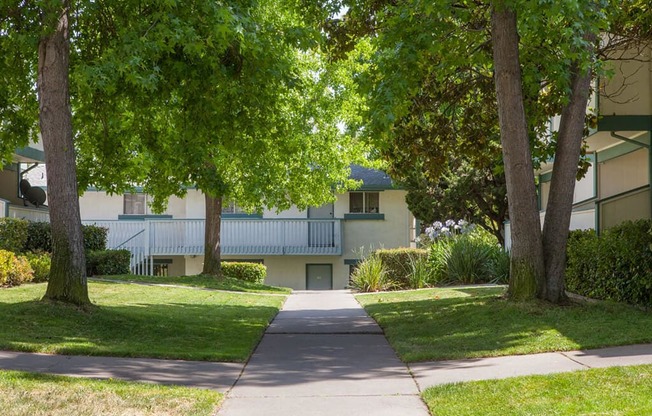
x=31, y=394
x=605, y=391
x=138, y=321
x=453, y=323
x=203, y=281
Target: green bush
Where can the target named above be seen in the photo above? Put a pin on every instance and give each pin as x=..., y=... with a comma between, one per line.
x=40, y=264
x=39, y=237
x=398, y=264
x=616, y=266
x=14, y=270
x=13, y=234
x=249, y=272
x=107, y=262
x=474, y=257
x=94, y=237
x=371, y=275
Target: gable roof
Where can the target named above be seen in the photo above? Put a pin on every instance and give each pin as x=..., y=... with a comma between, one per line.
x=372, y=179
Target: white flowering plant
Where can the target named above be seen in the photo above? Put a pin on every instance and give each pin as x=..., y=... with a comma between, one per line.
x=447, y=229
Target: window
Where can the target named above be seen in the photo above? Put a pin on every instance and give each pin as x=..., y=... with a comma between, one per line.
x=232, y=208
x=135, y=204
x=364, y=202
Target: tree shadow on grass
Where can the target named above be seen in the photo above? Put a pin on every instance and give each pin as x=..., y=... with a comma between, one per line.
x=484, y=324
x=219, y=332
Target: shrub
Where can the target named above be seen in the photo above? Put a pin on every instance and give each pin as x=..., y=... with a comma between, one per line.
x=94, y=237
x=14, y=270
x=398, y=264
x=471, y=257
x=39, y=237
x=249, y=272
x=107, y=262
x=616, y=266
x=371, y=275
x=40, y=264
x=13, y=234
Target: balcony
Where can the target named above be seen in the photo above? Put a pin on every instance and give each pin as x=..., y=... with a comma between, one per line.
x=246, y=237
x=26, y=213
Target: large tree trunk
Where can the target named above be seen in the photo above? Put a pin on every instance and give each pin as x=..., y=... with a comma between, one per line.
x=67, y=280
x=212, y=252
x=526, y=264
x=562, y=185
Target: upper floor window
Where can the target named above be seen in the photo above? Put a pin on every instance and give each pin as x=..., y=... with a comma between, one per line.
x=135, y=204
x=364, y=202
x=232, y=208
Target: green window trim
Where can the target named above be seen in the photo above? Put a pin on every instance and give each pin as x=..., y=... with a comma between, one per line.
x=362, y=216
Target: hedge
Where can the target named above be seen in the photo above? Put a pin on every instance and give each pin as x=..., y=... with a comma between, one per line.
x=107, y=262
x=396, y=263
x=39, y=237
x=616, y=266
x=13, y=234
x=40, y=264
x=14, y=270
x=250, y=272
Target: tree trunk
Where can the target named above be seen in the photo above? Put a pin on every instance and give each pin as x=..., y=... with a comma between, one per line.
x=526, y=264
x=67, y=280
x=212, y=252
x=562, y=186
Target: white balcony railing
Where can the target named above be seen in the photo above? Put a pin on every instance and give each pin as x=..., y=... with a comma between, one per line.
x=4, y=207
x=238, y=237
x=29, y=214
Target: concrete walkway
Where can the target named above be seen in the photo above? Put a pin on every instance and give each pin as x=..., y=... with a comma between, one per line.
x=323, y=355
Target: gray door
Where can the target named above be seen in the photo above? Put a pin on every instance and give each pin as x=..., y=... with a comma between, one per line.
x=321, y=233
x=319, y=276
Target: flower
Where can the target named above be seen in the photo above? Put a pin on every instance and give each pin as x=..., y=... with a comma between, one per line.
x=437, y=225
x=450, y=223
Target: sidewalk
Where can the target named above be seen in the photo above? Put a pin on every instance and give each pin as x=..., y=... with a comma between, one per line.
x=323, y=355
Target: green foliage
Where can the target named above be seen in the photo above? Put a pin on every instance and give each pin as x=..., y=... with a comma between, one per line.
x=371, y=275
x=40, y=263
x=14, y=270
x=13, y=234
x=107, y=262
x=617, y=265
x=39, y=237
x=249, y=272
x=94, y=237
x=474, y=257
x=404, y=266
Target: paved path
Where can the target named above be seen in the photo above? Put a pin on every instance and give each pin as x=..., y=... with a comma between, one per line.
x=323, y=355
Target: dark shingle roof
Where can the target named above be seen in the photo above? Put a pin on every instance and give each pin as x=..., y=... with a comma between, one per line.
x=372, y=179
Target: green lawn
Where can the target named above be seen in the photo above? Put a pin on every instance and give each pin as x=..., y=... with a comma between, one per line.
x=208, y=282
x=138, y=321
x=450, y=323
x=28, y=394
x=604, y=391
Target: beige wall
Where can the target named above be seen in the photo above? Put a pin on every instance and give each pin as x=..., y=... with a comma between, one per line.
x=628, y=91
x=98, y=205
x=630, y=207
x=623, y=173
x=286, y=271
x=392, y=232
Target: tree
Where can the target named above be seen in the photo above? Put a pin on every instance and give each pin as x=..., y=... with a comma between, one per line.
x=44, y=30
x=240, y=106
x=540, y=58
